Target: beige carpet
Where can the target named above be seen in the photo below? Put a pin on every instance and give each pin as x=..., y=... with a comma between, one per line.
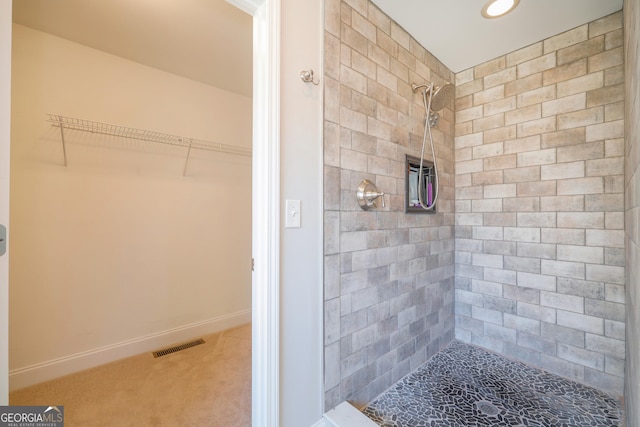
x=206, y=385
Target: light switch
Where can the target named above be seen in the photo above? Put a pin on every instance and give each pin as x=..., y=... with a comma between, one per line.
x=292, y=208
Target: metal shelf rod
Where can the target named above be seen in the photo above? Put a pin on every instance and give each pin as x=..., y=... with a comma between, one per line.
x=71, y=123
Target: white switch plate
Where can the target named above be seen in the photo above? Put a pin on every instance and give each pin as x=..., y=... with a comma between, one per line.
x=292, y=208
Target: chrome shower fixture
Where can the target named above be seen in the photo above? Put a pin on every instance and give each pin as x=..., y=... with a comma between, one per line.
x=433, y=119
x=440, y=96
x=435, y=98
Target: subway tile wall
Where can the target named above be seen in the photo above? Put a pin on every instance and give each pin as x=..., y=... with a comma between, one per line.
x=539, y=204
x=389, y=276
x=632, y=209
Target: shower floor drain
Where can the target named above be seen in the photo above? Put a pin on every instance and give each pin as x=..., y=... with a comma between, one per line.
x=487, y=408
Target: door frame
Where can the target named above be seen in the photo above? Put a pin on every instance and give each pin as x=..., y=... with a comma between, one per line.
x=265, y=210
x=5, y=141
x=265, y=202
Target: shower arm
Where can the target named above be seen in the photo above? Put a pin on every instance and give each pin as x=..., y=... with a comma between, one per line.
x=426, y=87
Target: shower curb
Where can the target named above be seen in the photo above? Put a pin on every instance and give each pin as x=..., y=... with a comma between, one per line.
x=346, y=415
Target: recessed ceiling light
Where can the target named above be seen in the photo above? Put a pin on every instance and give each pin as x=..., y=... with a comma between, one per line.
x=498, y=8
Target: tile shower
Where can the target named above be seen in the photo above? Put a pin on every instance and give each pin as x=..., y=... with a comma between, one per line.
x=539, y=204
x=389, y=276
x=526, y=254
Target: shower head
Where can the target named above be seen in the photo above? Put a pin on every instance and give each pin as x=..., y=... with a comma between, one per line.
x=440, y=96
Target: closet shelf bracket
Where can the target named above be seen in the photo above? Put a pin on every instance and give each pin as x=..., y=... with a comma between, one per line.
x=64, y=146
x=186, y=161
x=71, y=123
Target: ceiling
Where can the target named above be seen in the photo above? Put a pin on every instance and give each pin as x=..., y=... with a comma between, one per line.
x=455, y=32
x=211, y=41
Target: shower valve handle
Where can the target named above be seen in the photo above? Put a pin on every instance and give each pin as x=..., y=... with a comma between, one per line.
x=373, y=196
x=367, y=193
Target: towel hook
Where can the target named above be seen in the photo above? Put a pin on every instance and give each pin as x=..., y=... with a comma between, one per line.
x=307, y=77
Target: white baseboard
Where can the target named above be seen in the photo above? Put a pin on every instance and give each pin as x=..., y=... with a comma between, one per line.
x=320, y=423
x=34, y=374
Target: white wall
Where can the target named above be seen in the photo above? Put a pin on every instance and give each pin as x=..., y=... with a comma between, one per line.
x=120, y=246
x=5, y=119
x=301, y=248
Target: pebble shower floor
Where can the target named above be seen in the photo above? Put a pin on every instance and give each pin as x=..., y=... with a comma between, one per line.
x=464, y=385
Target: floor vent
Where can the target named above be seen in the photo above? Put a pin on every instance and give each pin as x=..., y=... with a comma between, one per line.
x=176, y=348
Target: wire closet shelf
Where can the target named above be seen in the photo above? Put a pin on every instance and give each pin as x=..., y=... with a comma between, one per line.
x=72, y=123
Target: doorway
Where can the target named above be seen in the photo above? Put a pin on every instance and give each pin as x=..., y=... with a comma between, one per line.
x=266, y=169
x=138, y=231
